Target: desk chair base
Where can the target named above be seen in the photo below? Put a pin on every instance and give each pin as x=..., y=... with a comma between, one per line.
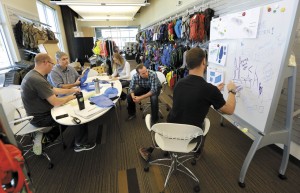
x=177, y=164
x=28, y=149
x=146, y=107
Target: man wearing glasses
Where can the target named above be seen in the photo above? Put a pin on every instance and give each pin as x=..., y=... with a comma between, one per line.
x=63, y=75
x=39, y=97
x=144, y=84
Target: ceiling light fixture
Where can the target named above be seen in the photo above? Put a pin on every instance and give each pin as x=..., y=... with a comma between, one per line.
x=108, y=19
x=76, y=3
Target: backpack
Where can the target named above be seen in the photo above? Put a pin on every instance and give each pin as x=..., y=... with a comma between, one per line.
x=171, y=34
x=12, y=162
x=185, y=27
x=177, y=28
x=174, y=58
x=163, y=33
x=209, y=13
x=197, y=29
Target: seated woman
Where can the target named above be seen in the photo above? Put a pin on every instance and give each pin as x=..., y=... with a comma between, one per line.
x=121, y=71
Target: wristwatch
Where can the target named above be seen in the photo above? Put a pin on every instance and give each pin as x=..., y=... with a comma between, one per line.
x=232, y=91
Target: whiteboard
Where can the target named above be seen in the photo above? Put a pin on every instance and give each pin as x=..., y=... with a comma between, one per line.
x=256, y=63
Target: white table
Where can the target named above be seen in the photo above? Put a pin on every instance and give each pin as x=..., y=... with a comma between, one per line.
x=70, y=107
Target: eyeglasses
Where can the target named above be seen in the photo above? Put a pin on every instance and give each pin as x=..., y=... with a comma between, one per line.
x=50, y=62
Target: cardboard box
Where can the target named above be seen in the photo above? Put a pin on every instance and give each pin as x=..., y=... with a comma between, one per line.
x=49, y=48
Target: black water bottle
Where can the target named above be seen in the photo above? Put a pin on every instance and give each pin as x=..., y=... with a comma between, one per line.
x=80, y=100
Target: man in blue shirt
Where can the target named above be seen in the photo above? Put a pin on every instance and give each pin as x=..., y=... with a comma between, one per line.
x=63, y=75
x=144, y=83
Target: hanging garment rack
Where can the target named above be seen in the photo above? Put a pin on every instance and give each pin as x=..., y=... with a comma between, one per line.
x=31, y=20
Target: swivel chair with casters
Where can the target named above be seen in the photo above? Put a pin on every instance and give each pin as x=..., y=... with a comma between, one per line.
x=145, y=107
x=176, y=139
x=19, y=123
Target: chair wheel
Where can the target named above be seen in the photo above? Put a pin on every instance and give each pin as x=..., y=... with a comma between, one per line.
x=146, y=169
x=50, y=166
x=193, y=162
x=281, y=176
x=242, y=185
x=166, y=154
x=197, y=188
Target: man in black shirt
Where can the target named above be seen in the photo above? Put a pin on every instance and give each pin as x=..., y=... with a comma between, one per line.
x=193, y=96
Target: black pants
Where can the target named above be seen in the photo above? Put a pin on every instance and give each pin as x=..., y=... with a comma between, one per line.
x=125, y=83
x=153, y=99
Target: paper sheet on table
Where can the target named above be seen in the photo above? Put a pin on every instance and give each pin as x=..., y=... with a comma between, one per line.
x=89, y=112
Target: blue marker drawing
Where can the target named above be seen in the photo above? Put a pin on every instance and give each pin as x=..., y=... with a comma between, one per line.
x=212, y=73
x=220, y=54
x=218, y=79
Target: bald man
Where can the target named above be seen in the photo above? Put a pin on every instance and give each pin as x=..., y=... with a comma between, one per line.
x=39, y=97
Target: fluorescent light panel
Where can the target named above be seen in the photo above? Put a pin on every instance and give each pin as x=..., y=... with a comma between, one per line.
x=96, y=4
x=108, y=19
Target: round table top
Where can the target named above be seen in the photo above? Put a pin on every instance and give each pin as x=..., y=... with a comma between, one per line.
x=72, y=106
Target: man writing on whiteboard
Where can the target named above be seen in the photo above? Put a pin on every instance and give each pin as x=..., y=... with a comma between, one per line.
x=193, y=96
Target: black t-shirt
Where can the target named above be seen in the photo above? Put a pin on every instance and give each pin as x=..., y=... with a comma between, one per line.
x=192, y=98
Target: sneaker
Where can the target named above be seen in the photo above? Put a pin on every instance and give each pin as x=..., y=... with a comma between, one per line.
x=144, y=153
x=130, y=117
x=85, y=147
x=37, y=145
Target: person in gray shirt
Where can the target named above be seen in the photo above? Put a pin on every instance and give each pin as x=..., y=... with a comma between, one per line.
x=39, y=97
x=63, y=75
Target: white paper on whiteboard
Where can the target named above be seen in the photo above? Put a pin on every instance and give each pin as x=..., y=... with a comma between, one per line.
x=215, y=76
x=217, y=53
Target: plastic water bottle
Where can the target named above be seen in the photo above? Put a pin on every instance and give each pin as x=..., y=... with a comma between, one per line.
x=80, y=100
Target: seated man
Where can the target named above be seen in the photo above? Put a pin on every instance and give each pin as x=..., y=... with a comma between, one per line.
x=63, y=75
x=39, y=97
x=142, y=85
x=193, y=96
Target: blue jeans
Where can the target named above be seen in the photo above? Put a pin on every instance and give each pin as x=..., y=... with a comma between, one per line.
x=153, y=99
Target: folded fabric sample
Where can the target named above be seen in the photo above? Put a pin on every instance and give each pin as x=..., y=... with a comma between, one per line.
x=84, y=76
x=111, y=92
x=90, y=86
x=89, y=112
x=102, y=101
x=104, y=82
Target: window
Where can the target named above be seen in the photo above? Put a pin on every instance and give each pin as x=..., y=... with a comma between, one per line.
x=120, y=35
x=5, y=58
x=48, y=15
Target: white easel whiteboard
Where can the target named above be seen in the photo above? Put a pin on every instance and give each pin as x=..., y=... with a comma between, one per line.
x=257, y=64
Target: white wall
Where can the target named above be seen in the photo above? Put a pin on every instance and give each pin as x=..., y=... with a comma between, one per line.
x=161, y=9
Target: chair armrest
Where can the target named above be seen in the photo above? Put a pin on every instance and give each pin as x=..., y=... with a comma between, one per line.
x=21, y=120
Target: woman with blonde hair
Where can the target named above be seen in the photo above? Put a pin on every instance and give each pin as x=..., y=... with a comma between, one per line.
x=121, y=71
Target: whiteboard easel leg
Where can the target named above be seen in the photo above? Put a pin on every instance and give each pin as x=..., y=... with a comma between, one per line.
x=248, y=159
